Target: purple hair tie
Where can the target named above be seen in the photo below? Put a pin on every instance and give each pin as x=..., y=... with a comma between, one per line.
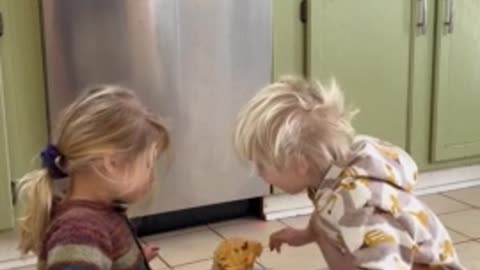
x=51, y=158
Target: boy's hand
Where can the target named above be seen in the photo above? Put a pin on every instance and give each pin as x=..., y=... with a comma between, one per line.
x=150, y=251
x=291, y=237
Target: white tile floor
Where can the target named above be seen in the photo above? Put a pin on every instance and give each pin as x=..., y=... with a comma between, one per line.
x=192, y=249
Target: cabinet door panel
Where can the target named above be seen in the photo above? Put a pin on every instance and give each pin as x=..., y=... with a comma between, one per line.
x=6, y=208
x=365, y=45
x=23, y=123
x=288, y=39
x=456, y=133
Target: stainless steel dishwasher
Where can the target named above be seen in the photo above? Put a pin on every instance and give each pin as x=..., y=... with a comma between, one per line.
x=195, y=62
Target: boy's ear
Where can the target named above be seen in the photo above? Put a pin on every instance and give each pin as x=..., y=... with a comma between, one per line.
x=302, y=166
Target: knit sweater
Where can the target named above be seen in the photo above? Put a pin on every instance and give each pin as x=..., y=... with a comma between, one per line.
x=86, y=235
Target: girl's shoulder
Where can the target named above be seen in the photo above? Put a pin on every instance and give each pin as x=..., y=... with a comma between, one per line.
x=85, y=214
x=82, y=224
x=78, y=228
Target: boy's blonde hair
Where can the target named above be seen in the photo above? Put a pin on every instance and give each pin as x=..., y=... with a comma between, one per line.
x=294, y=119
x=102, y=121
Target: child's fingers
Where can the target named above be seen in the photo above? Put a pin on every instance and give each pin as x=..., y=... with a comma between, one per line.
x=275, y=245
x=271, y=243
x=153, y=248
x=150, y=252
x=277, y=239
x=271, y=246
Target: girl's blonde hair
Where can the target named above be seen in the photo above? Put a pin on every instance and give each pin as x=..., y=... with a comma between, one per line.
x=294, y=119
x=102, y=121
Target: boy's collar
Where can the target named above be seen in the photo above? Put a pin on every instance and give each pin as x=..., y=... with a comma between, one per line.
x=330, y=180
x=333, y=173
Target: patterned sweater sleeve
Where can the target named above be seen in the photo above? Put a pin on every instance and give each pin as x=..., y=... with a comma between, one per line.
x=375, y=243
x=373, y=238
x=79, y=245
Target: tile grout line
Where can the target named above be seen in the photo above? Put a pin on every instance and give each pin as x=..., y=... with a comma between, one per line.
x=455, y=211
x=464, y=242
x=284, y=223
x=471, y=207
x=476, y=239
x=165, y=262
x=459, y=201
x=177, y=234
x=469, y=241
x=212, y=229
x=469, y=238
x=190, y=263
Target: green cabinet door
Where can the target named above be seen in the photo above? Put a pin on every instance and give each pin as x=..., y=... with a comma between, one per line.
x=456, y=131
x=6, y=208
x=288, y=39
x=365, y=46
x=23, y=112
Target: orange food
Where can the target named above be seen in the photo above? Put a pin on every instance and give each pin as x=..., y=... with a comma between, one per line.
x=236, y=254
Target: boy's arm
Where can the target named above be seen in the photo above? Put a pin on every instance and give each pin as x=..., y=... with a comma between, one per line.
x=292, y=237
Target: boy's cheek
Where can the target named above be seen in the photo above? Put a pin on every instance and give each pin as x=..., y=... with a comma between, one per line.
x=270, y=181
x=266, y=181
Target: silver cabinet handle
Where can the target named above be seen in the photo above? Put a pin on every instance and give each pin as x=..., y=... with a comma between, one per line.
x=422, y=16
x=450, y=15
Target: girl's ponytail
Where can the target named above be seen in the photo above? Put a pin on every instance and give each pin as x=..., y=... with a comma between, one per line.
x=35, y=194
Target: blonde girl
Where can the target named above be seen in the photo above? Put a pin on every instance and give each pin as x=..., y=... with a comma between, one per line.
x=106, y=142
x=299, y=136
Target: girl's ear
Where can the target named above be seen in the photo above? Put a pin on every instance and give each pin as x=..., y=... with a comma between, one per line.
x=108, y=164
x=112, y=164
